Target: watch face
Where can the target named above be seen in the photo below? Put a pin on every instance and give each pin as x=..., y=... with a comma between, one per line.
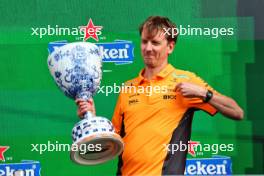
x=209, y=95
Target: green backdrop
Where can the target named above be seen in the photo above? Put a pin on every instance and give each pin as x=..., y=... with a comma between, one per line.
x=33, y=110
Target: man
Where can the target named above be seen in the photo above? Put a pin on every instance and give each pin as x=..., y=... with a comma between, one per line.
x=146, y=122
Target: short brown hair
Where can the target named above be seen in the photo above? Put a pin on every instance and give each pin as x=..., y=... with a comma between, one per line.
x=153, y=24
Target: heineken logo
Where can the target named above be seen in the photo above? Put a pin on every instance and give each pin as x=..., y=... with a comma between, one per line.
x=118, y=52
x=25, y=168
x=217, y=165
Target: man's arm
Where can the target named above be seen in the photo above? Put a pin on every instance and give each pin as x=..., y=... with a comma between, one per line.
x=225, y=105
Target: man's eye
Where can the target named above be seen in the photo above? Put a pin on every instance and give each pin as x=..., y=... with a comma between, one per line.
x=155, y=43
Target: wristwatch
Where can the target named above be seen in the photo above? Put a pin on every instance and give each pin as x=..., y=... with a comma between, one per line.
x=209, y=95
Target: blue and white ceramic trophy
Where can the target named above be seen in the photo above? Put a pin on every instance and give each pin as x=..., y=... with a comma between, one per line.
x=76, y=69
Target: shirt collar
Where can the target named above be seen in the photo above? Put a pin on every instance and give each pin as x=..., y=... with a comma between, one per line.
x=161, y=75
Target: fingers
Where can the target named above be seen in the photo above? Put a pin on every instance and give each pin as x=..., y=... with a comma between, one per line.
x=84, y=106
x=183, y=89
x=84, y=103
x=190, y=90
x=83, y=109
x=178, y=87
x=90, y=100
x=78, y=101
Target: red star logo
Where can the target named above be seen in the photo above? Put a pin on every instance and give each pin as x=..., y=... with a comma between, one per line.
x=3, y=149
x=191, y=145
x=91, y=30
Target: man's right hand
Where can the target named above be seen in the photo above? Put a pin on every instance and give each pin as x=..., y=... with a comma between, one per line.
x=84, y=106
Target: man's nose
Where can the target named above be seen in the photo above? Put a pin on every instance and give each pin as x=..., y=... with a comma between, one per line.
x=148, y=46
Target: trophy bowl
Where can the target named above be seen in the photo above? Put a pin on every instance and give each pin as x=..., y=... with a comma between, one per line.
x=76, y=69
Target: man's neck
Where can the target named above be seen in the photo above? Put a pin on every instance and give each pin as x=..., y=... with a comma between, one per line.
x=150, y=72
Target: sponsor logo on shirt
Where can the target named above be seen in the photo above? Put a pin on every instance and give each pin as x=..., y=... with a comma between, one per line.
x=169, y=97
x=130, y=102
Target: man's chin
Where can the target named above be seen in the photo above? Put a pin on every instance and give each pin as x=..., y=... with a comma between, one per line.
x=149, y=64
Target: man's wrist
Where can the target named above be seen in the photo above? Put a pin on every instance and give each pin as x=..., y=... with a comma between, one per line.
x=203, y=94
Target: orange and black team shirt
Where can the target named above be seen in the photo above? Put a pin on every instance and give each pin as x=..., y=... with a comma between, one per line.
x=147, y=122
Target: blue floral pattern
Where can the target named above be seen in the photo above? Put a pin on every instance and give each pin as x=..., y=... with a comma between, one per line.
x=76, y=68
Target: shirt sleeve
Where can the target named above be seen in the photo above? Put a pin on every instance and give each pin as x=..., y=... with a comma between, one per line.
x=118, y=116
x=198, y=102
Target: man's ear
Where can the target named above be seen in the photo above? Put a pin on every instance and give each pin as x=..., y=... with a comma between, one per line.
x=171, y=45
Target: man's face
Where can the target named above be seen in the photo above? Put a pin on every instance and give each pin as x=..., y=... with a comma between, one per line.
x=155, y=49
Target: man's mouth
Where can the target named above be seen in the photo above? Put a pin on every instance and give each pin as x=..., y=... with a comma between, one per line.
x=148, y=56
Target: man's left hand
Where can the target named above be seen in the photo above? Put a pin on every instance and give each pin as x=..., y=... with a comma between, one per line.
x=190, y=90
